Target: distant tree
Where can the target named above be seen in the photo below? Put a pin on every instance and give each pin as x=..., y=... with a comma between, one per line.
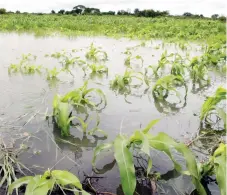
x=222, y=18
x=17, y=12
x=136, y=12
x=215, y=16
x=62, y=11
x=201, y=16
x=108, y=13
x=123, y=12
x=187, y=14
x=52, y=11
x=68, y=12
x=79, y=9
x=2, y=11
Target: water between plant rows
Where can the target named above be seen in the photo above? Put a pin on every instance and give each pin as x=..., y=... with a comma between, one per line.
x=24, y=100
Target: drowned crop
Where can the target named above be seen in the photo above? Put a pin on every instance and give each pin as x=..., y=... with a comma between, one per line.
x=123, y=147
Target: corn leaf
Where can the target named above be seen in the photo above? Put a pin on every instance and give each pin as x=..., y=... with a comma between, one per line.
x=66, y=178
x=163, y=142
x=18, y=183
x=220, y=167
x=124, y=160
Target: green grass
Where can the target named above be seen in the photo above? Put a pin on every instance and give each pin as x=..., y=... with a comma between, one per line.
x=129, y=26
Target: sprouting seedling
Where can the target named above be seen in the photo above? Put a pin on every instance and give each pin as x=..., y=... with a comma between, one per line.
x=96, y=54
x=85, y=125
x=211, y=105
x=25, y=65
x=166, y=84
x=130, y=58
x=97, y=68
x=161, y=63
x=199, y=71
x=61, y=114
x=80, y=96
x=52, y=73
x=122, y=81
x=178, y=65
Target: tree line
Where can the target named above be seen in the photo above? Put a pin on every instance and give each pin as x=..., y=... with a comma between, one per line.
x=82, y=10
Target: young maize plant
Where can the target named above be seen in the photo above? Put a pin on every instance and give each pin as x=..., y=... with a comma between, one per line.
x=61, y=114
x=199, y=72
x=49, y=182
x=96, y=54
x=25, y=65
x=130, y=58
x=166, y=84
x=123, y=147
x=211, y=106
x=80, y=96
x=123, y=81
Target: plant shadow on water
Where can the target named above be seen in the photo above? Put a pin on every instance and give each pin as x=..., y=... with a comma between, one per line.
x=75, y=144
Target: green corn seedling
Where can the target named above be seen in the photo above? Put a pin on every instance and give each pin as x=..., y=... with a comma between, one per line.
x=49, y=182
x=123, y=146
x=166, y=84
x=61, y=114
x=211, y=105
x=96, y=54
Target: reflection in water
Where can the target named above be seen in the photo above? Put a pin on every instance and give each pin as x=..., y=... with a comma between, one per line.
x=201, y=87
x=75, y=144
x=105, y=168
x=163, y=106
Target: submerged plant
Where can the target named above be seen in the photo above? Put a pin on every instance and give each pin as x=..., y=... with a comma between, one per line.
x=130, y=58
x=123, y=147
x=216, y=166
x=61, y=115
x=166, y=84
x=177, y=65
x=49, y=182
x=80, y=96
x=161, y=63
x=84, y=126
x=199, y=72
x=122, y=81
x=96, y=54
x=97, y=68
x=25, y=65
x=210, y=106
x=52, y=73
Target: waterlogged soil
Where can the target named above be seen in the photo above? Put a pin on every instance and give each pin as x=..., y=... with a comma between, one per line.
x=24, y=100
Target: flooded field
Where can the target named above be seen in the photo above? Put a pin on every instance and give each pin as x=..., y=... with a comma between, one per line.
x=26, y=107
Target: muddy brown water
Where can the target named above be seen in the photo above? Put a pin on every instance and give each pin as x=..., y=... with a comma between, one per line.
x=24, y=99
